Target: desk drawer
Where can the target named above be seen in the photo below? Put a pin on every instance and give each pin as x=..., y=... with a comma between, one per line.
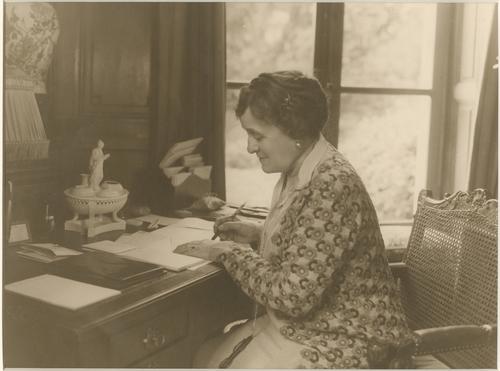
x=177, y=355
x=148, y=336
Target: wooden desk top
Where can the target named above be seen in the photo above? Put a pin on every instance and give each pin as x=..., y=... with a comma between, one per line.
x=158, y=323
x=132, y=298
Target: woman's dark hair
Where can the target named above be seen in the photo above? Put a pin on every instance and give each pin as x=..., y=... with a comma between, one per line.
x=288, y=99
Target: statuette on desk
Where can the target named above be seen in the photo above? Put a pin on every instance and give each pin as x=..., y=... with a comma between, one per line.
x=95, y=206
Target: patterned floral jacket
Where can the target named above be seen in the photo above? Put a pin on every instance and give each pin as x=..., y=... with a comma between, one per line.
x=330, y=284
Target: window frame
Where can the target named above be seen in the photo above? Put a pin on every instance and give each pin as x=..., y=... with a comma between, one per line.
x=328, y=69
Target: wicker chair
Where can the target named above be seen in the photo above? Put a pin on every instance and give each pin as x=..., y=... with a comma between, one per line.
x=448, y=286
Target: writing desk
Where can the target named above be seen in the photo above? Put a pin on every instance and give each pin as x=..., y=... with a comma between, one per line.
x=160, y=323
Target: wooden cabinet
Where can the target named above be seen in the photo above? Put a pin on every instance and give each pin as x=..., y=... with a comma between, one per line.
x=160, y=324
x=100, y=87
x=116, y=56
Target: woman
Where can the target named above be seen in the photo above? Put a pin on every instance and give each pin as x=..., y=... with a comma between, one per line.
x=320, y=269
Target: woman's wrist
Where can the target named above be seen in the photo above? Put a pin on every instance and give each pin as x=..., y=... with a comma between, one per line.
x=219, y=249
x=218, y=253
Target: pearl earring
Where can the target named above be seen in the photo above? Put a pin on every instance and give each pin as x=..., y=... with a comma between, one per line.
x=298, y=144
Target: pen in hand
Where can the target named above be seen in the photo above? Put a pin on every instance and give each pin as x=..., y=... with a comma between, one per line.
x=238, y=210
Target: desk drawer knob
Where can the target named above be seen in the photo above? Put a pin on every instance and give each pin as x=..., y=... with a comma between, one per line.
x=154, y=338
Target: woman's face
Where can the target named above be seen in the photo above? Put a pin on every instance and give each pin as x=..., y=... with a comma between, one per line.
x=275, y=149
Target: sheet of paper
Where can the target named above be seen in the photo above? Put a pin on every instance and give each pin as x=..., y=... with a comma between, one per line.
x=157, y=246
x=162, y=255
x=179, y=235
x=196, y=223
x=141, y=239
x=163, y=220
x=60, y=291
x=180, y=178
x=112, y=247
x=192, y=160
x=171, y=171
x=203, y=171
x=19, y=232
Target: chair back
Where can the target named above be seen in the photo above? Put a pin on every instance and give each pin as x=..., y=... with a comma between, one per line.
x=452, y=269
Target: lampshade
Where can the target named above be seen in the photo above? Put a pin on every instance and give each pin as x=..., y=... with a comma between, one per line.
x=31, y=31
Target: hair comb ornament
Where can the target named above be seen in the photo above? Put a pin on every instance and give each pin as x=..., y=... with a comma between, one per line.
x=257, y=82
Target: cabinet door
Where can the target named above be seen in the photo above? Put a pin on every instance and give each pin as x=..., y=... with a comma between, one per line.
x=101, y=87
x=117, y=40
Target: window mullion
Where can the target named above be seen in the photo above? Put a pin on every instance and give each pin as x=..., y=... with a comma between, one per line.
x=328, y=60
x=235, y=84
x=388, y=91
x=435, y=177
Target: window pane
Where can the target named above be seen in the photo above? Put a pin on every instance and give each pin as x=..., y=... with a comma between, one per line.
x=379, y=136
x=264, y=37
x=245, y=180
x=388, y=45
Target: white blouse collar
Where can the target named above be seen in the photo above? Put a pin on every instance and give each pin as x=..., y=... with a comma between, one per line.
x=311, y=161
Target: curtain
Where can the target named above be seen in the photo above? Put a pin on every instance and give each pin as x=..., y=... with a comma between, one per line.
x=484, y=162
x=189, y=80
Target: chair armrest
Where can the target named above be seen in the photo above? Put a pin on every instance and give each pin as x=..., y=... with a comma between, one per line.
x=399, y=270
x=386, y=354
x=452, y=338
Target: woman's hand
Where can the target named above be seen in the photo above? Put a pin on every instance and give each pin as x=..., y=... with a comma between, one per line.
x=204, y=249
x=231, y=228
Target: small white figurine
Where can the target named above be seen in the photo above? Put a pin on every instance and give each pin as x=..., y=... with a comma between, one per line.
x=96, y=166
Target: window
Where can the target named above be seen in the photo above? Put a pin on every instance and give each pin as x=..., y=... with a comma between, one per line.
x=260, y=37
x=376, y=62
x=385, y=98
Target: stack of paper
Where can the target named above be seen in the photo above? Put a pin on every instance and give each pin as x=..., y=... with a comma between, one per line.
x=192, y=160
x=178, y=150
x=157, y=247
x=61, y=291
x=190, y=178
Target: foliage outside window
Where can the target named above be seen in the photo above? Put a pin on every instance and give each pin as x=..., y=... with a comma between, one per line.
x=386, y=76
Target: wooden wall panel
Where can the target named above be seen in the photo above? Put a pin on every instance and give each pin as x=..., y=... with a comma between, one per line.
x=100, y=88
x=116, y=58
x=139, y=76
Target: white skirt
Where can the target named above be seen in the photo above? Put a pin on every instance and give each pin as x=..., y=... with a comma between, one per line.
x=268, y=348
